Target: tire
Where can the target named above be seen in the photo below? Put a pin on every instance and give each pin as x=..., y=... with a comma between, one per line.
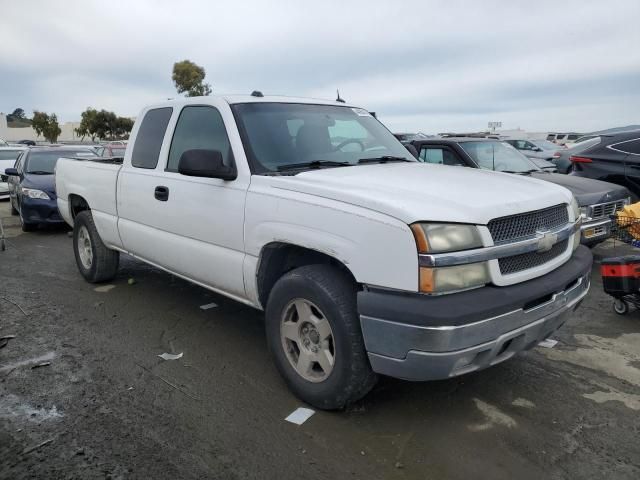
x=620, y=307
x=96, y=262
x=331, y=297
x=27, y=227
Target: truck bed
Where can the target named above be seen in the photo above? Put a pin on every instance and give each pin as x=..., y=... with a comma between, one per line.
x=94, y=180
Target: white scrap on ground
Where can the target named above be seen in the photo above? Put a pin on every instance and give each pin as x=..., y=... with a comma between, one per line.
x=208, y=306
x=300, y=415
x=170, y=356
x=548, y=343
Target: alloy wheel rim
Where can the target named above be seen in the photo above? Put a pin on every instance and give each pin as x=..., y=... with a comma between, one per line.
x=85, y=251
x=307, y=340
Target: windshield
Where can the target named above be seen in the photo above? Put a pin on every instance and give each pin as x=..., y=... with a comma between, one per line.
x=498, y=156
x=9, y=154
x=45, y=162
x=545, y=144
x=278, y=135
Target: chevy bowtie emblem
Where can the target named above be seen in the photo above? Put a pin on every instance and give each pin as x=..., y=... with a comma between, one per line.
x=546, y=240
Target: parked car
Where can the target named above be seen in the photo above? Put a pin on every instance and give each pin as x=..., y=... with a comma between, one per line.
x=562, y=156
x=563, y=138
x=8, y=156
x=613, y=158
x=29, y=143
x=539, y=152
x=597, y=200
x=31, y=185
x=111, y=150
x=364, y=260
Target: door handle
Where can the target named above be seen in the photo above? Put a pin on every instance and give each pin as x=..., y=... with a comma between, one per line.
x=162, y=193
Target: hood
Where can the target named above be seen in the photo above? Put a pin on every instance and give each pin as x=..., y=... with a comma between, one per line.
x=46, y=183
x=586, y=190
x=417, y=191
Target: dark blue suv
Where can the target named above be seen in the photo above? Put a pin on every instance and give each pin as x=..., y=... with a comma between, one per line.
x=32, y=187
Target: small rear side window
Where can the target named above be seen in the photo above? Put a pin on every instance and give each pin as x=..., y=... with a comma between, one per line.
x=148, y=142
x=630, y=146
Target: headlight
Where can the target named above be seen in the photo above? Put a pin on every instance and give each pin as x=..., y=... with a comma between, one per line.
x=584, y=213
x=33, y=193
x=575, y=208
x=450, y=279
x=443, y=237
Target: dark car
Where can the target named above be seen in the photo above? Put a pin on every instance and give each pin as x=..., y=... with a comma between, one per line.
x=597, y=200
x=613, y=158
x=561, y=158
x=539, y=152
x=31, y=185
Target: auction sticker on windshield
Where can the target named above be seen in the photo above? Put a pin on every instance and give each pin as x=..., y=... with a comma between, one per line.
x=361, y=111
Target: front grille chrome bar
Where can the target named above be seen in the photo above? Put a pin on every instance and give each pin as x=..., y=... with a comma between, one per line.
x=484, y=254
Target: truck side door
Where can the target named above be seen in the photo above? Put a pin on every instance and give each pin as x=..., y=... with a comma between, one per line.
x=191, y=226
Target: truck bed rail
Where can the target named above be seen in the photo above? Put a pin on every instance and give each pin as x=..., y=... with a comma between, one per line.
x=110, y=160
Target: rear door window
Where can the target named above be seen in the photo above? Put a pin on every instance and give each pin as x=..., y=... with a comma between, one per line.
x=202, y=128
x=439, y=155
x=148, y=142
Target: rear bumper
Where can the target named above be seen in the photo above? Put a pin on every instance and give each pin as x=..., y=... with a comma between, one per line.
x=421, y=337
x=40, y=211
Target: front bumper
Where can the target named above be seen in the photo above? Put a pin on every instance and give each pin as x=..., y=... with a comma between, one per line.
x=595, y=231
x=422, y=337
x=36, y=210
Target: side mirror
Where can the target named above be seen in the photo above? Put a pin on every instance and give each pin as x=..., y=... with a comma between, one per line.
x=11, y=172
x=412, y=150
x=536, y=149
x=205, y=163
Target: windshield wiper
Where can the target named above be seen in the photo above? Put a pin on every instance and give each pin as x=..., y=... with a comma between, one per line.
x=383, y=159
x=40, y=172
x=313, y=164
x=519, y=172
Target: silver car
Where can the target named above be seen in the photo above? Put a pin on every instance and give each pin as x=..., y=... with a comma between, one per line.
x=539, y=152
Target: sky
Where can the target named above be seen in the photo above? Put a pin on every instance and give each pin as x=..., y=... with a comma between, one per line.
x=428, y=65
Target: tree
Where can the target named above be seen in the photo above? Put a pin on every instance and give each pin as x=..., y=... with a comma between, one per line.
x=52, y=129
x=189, y=77
x=103, y=124
x=17, y=115
x=46, y=125
x=87, y=123
x=39, y=122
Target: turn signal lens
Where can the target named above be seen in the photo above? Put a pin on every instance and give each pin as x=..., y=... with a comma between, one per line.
x=450, y=279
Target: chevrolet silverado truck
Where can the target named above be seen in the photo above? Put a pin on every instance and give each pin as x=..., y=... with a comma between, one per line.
x=364, y=260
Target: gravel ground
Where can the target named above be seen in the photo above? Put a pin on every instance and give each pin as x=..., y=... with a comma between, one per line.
x=83, y=393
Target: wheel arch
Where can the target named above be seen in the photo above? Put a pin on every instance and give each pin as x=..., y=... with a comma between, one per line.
x=77, y=204
x=277, y=258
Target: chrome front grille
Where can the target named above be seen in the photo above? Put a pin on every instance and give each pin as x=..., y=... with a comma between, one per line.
x=516, y=227
x=605, y=209
x=518, y=263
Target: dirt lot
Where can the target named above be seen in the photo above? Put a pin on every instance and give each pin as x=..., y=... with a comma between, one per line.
x=108, y=407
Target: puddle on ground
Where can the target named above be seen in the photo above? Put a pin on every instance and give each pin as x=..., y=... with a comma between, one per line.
x=493, y=416
x=616, y=357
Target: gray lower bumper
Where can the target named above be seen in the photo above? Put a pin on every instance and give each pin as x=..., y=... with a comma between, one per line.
x=414, y=352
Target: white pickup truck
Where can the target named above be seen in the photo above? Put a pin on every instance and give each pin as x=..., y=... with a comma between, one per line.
x=364, y=260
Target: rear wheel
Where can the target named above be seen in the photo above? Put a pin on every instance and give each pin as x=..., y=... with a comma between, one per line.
x=313, y=333
x=96, y=262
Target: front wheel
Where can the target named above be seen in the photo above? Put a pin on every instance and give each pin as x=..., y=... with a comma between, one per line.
x=313, y=333
x=96, y=262
x=26, y=226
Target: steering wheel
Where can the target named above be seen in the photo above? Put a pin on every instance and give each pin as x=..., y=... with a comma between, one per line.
x=347, y=142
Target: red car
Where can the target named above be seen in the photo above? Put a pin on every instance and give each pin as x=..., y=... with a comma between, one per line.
x=111, y=150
